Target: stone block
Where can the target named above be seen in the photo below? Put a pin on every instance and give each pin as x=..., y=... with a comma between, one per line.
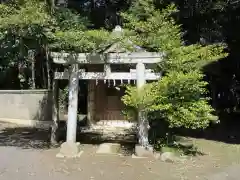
x=157, y=155
x=141, y=151
x=168, y=157
x=137, y=157
x=171, y=157
x=109, y=148
x=70, y=150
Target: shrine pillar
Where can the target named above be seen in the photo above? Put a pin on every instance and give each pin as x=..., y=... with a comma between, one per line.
x=142, y=149
x=71, y=148
x=142, y=116
x=73, y=104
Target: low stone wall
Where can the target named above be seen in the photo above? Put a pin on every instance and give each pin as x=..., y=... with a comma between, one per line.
x=26, y=107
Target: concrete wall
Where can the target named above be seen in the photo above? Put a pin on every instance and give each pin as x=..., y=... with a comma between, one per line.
x=27, y=107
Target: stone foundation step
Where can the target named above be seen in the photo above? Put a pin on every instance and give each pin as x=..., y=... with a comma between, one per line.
x=106, y=131
x=109, y=129
x=116, y=123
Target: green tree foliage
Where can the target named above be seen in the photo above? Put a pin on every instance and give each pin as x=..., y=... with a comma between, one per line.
x=21, y=24
x=31, y=24
x=64, y=29
x=70, y=33
x=180, y=97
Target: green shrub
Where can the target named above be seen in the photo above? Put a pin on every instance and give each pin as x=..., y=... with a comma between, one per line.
x=180, y=97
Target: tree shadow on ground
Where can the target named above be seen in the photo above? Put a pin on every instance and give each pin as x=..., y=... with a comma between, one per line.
x=127, y=144
x=227, y=131
x=39, y=138
x=25, y=137
x=86, y=135
x=89, y=135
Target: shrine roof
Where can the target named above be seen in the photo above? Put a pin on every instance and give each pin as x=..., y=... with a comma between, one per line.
x=121, y=46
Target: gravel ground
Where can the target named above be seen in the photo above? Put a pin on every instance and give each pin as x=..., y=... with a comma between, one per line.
x=25, y=155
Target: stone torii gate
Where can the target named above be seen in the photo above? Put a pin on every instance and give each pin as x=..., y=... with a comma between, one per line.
x=71, y=148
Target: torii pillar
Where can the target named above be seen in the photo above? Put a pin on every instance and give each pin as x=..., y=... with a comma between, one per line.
x=71, y=148
x=142, y=149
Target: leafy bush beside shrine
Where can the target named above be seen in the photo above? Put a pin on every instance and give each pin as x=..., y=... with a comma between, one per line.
x=180, y=98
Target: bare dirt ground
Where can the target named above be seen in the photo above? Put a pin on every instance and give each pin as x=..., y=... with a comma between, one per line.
x=25, y=155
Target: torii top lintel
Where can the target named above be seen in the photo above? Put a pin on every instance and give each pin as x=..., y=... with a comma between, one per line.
x=113, y=55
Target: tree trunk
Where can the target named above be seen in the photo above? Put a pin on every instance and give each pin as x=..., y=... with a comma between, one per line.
x=48, y=68
x=31, y=55
x=20, y=63
x=44, y=76
x=51, y=4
